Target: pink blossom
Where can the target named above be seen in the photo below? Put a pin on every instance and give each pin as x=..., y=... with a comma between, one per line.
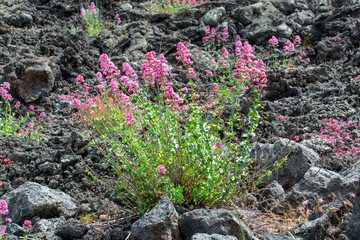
x=218, y=145
x=3, y=207
x=185, y=89
x=2, y=230
x=194, y=96
x=21, y=131
x=281, y=117
x=236, y=138
x=216, y=87
x=296, y=138
x=42, y=114
x=17, y=105
x=118, y=19
x=31, y=108
x=274, y=41
x=357, y=78
x=183, y=54
x=27, y=223
x=161, y=169
x=9, y=220
x=83, y=11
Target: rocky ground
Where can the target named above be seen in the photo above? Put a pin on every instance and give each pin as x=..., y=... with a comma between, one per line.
x=315, y=195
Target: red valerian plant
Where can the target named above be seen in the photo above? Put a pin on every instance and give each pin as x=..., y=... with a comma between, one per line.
x=158, y=141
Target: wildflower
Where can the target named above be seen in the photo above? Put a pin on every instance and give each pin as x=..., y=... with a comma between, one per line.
x=161, y=169
x=27, y=223
x=281, y=117
x=273, y=41
x=218, y=145
x=83, y=11
x=17, y=105
x=185, y=89
x=21, y=131
x=117, y=18
x=194, y=96
x=297, y=41
x=216, y=87
x=2, y=230
x=357, y=78
x=3, y=207
x=235, y=139
x=42, y=114
x=31, y=108
x=296, y=138
x=9, y=220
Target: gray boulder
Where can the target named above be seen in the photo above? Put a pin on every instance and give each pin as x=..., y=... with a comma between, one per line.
x=285, y=6
x=317, y=182
x=212, y=17
x=213, y=221
x=292, y=171
x=204, y=236
x=32, y=199
x=243, y=15
x=31, y=77
x=160, y=223
x=48, y=225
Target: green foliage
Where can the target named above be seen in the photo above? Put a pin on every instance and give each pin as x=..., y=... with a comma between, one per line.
x=173, y=6
x=74, y=30
x=87, y=218
x=91, y=17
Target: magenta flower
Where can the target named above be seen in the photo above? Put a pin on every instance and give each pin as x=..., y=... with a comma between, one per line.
x=218, y=145
x=17, y=105
x=83, y=11
x=21, y=131
x=2, y=230
x=31, y=108
x=281, y=117
x=216, y=87
x=27, y=223
x=42, y=114
x=235, y=139
x=3, y=207
x=117, y=18
x=357, y=78
x=296, y=138
x=9, y=220
x=274, y=41
x=194, y=96
x=161, y=169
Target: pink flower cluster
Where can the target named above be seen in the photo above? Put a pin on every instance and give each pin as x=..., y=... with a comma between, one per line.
x=183, y=54
x=274, y=41
x=3, y=207
x=246, y=69
x=154, y=70
x=92, y=8
x=161, y=169
x=3, y=211
x=5, y=160
x=4, y=87
x=211, y=36
x=357, y=78
x=339, y=133
x=27, y=223
x=117, y=18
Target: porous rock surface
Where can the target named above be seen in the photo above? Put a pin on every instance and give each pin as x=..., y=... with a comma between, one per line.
x=42, y=58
